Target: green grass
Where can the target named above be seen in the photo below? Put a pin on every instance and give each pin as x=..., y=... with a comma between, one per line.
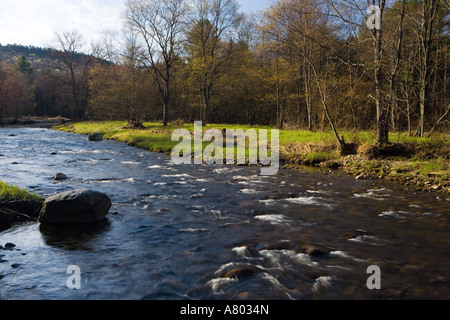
x=9, y=193
x=315, y=146
x=431, y=158
x=156, y=137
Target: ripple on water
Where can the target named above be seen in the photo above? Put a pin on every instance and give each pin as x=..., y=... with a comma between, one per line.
x=281, y=258
x=323, y=283
x=273, y=218
x=395, y=214
x=302, y=200
x=179, y=175
x=249, y=191
x=159, y=184
x=378, y=194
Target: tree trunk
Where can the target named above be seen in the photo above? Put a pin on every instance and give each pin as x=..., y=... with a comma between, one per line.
x=166, y=101
x=425, y=34
x=382, y=121
x=439, y=121
x=342, y=144
x=396, y=64
x=308, y=91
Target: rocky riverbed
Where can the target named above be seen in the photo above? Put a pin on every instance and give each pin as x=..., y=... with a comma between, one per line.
x=403, y=171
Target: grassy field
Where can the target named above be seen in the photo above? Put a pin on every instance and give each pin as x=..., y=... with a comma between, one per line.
x=12, y=193
x=426, y=167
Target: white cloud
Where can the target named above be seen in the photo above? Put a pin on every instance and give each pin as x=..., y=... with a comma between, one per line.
x=31, y=22
x=34, y=22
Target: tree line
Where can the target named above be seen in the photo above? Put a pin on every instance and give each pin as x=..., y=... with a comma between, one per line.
x=313, y=64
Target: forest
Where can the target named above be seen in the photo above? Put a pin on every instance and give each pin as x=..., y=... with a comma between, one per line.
x=303, y=64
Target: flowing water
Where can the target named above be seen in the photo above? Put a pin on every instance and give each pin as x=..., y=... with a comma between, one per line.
x=174, y=231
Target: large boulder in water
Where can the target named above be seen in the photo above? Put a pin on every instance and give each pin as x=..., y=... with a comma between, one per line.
x=75, y=207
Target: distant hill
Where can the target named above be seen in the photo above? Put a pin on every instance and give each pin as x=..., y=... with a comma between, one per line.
x=40, y=58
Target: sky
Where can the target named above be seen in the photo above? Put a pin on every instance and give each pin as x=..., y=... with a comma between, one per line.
x=31, y=22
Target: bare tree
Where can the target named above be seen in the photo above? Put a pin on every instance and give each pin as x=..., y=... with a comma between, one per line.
x=446, y=113
x=397, y=56
x=375, y=10
x=425, y=29
x=382, y=114
x=118, y=81
x=68, y=48
x=295, y=27
x=159, y=24
x=210, y=44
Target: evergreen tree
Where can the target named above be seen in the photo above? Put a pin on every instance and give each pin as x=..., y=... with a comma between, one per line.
x=24, y=66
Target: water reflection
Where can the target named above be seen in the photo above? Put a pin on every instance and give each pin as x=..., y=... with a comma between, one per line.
x=74, y=237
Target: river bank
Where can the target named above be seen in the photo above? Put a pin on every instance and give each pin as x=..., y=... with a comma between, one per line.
x=32, y=122
x=17, y=205
x=419, y=162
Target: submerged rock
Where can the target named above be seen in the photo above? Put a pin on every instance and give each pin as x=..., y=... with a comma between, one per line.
x=75, y=207
x=59, y=177
x=313, y=250
x=242, y=272
x=95, y=137
x=282, y=245
x=10, y=245
x=350, y=235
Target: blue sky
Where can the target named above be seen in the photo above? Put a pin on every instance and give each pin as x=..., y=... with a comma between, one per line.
x=32, y=22
x=254, y=5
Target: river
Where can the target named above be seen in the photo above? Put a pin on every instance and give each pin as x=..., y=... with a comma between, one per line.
x=174, y=231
